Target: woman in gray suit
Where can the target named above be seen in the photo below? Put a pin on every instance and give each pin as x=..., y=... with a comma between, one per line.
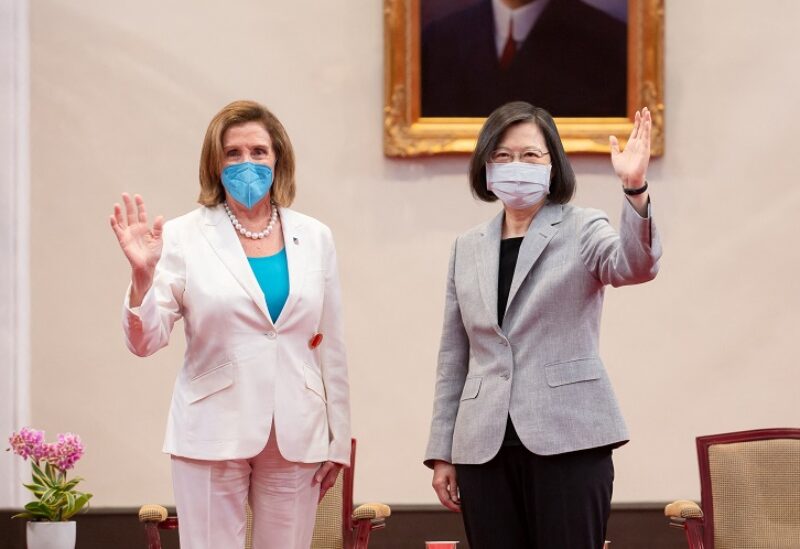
x=524, y=416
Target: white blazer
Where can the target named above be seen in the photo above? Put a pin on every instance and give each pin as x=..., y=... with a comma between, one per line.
x=241, y=369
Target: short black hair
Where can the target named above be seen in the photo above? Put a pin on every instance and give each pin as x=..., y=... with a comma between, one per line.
x=562, y=178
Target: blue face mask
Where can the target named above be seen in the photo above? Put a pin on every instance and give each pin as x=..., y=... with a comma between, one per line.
x=247, y=183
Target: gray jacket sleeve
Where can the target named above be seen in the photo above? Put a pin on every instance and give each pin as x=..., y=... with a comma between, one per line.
x=630, y=257
x=451, y=372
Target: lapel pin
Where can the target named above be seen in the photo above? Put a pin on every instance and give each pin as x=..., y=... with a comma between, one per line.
x=315, y=340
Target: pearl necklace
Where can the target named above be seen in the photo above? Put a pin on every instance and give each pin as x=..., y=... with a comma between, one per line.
x=250, y=234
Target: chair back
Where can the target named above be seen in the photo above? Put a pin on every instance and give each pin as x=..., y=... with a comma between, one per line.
x=750, y=489
x=328, y=524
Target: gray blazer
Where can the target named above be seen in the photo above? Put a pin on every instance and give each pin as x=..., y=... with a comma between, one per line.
x=542, y=366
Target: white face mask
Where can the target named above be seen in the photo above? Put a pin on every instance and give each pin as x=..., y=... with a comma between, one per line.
x=519, y=185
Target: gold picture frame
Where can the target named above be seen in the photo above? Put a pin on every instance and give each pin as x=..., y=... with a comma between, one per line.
x=406, y=134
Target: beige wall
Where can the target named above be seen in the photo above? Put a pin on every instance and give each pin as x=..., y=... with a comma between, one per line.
x=121, y=95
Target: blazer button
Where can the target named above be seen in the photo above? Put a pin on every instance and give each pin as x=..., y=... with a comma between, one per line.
x=503, y=342
x=271, y=335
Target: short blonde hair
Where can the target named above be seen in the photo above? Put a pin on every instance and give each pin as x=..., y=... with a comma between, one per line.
x=239, y=112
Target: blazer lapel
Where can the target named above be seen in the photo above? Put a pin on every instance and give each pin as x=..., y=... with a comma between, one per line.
x=488, y=259
x=296, y=250
x=221, y=235
x=540, y=232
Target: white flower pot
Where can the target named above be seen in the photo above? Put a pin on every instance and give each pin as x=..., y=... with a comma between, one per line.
x=51, y=535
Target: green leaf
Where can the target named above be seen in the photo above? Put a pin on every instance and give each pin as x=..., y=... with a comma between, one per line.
x=67, y=486
x=38, y=510
x=49, y=496
x=53, y=474
x=24, y=516
x=35, y=468
x=38, y=475
x=37, y=489
x=70, y=503
x=80, y=502
x=33, y=506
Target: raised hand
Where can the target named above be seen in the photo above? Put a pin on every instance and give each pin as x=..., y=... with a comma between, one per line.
x=630, y=165
x=140, y=243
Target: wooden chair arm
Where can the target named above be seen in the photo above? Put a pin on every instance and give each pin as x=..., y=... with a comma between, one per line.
x=683, y=508
x=371, y=511
x=152, y=513
x=688, y=516
x=366, y=518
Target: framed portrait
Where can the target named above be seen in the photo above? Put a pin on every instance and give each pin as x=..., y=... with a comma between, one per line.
x=449, y=63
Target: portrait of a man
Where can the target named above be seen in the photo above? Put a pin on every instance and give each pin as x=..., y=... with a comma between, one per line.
x=566, y=56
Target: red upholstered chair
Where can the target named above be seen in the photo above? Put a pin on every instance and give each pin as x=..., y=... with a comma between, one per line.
x=749, y=490
x=338, y=525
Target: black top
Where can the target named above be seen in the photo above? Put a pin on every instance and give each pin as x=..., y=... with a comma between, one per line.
x=509, y=251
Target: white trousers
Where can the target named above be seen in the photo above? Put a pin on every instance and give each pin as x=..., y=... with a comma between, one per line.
x=210, y=497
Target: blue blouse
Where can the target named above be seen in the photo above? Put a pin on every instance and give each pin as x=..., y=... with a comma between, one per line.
x=272, y=274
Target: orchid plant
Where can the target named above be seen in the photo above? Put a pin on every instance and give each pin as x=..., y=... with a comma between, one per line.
x=56, y=497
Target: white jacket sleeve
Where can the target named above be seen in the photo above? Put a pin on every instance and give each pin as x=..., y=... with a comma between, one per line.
x=147, y=327
x=333, y=362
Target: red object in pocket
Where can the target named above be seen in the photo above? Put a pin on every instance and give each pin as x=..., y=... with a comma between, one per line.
x=315, y=340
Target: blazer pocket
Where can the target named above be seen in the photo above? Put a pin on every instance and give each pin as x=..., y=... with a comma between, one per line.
x=472, y=387
x=213, y=381
x=573, y=371
x=314, y=381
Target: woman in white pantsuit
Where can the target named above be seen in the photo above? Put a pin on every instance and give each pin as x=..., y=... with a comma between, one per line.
x=260, y=408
